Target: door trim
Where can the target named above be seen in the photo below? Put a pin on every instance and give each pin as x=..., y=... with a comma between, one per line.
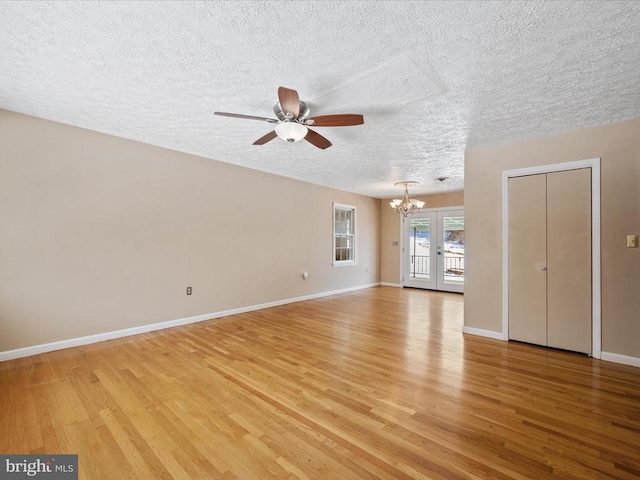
x=596, y=315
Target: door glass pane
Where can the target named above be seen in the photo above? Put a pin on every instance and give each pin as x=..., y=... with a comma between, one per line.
x=419, y=248
x=453, y=249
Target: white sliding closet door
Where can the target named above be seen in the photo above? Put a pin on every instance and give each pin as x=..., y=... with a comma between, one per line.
x=550, y=259
x=569, y=260
x=528, y=259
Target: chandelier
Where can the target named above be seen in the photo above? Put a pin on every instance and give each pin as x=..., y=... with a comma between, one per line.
x=406, y=206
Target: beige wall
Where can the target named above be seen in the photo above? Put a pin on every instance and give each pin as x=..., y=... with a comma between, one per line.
x=618, y=146
x=101, y=233
x=390, y=256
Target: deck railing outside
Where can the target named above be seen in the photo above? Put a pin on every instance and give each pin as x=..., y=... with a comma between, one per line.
x=453, y=266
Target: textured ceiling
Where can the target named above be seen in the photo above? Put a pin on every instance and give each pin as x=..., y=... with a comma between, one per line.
x=431, y=78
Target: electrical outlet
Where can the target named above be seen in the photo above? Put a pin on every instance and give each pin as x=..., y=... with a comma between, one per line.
x=632, y=241
x=188, y=290
x=305, y=275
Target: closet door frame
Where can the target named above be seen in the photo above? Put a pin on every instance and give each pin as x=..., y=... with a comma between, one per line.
x=596, y=290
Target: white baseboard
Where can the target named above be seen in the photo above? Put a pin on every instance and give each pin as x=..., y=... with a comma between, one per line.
x=617, y=358
x=610, y=357
x=101, y=337
x=483, y=333
x=388, y=284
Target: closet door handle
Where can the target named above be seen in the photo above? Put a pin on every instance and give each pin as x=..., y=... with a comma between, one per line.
x=544, y=269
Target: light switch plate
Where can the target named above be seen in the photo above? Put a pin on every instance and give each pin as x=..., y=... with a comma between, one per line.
x=632, y=241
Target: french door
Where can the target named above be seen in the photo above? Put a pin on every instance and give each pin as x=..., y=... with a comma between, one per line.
x=433, y=250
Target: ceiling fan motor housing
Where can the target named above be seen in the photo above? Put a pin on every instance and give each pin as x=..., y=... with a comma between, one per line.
x=304, y=112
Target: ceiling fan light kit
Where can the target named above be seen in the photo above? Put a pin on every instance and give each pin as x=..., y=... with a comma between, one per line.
x=293, y=121
x=291, y=131
x=406, y=206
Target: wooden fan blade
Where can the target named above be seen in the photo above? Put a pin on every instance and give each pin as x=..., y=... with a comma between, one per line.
x=317, y=139
x=250, y=117
x=289, y=101
x=266, y=138
x=340, y=120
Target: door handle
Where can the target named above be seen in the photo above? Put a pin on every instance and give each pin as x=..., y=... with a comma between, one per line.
x=544, y=269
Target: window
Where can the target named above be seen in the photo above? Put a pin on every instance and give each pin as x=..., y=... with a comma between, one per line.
x=344, y=234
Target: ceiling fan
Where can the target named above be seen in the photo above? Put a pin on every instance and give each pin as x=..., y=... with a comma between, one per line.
x=293, y=120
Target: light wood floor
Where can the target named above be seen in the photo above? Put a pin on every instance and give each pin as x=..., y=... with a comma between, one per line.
x=378, y=383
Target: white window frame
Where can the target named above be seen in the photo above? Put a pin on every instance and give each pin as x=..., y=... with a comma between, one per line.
x=341, y=206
